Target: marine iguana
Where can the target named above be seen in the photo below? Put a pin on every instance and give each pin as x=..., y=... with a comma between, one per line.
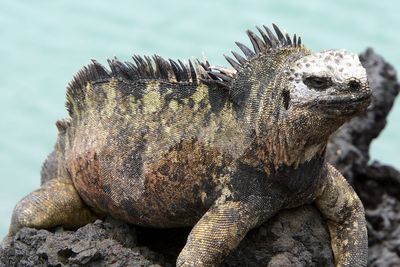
x=167, y=144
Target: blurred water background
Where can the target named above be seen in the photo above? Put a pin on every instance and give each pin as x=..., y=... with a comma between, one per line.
x=43, y=43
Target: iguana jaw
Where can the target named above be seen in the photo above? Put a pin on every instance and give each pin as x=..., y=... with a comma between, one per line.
x=346, y=99
x=343, y=105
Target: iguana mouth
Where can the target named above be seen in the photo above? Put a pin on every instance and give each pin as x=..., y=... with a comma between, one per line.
x=344, y=99
x=344, y=105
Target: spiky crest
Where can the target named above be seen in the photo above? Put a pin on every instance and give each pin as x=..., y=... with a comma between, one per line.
x=269, y=41
x=146, y=67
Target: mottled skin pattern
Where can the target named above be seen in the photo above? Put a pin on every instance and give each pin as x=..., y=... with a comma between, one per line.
x=165, y=145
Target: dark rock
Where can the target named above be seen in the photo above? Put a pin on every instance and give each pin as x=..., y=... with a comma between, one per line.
x=296, y=237
x=109, y=243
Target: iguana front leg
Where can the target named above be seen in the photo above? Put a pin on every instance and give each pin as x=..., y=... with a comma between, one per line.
x=346, y=220
x=218, y=232
x=55, y=203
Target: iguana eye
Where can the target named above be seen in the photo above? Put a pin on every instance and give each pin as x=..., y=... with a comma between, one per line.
x=318, y=83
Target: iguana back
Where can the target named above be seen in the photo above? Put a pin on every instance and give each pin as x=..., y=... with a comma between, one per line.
x=143, y=140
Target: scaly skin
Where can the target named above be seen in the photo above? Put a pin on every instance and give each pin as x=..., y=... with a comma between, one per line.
x=162, y=144
x=345, y=213
x=55, y=203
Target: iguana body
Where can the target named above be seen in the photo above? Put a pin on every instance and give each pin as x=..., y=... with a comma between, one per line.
x=162, y=144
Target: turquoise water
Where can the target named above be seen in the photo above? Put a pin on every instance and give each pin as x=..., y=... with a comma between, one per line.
x=43, y=43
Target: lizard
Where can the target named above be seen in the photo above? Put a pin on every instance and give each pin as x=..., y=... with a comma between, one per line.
x=163, y=143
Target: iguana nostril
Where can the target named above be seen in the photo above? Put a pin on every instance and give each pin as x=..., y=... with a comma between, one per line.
x=354, y=85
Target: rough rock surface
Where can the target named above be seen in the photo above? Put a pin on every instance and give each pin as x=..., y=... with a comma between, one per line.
x=296, y=237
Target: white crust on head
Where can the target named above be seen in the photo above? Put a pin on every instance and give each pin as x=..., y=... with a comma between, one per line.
x=337, y=64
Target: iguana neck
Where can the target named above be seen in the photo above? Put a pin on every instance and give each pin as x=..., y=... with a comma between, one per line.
x=258, y=87
x=291, y=140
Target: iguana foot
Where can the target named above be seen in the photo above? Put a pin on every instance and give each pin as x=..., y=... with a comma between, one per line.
x=217, y=233
x=56, y=203
x=344, y=212
x=6, y=242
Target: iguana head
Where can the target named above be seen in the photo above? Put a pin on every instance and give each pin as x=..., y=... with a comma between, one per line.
x=282, y=82
x=332, y=83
